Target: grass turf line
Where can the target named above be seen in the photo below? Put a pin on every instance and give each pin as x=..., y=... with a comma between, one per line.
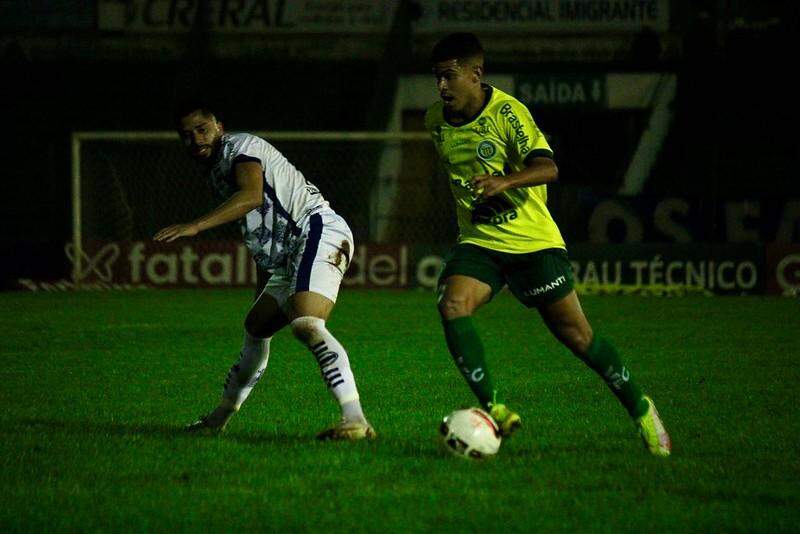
x=96, y=388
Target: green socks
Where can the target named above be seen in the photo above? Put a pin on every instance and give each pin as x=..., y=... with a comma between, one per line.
x=467, y=351
x=603, y=358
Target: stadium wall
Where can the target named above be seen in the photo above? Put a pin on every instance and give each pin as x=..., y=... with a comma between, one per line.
x=657, y=269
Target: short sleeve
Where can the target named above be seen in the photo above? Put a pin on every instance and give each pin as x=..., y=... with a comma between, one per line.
x=246, y=149
x=523, y=138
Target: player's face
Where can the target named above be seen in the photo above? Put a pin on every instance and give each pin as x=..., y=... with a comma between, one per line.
x=200, y=134
x=458, y=83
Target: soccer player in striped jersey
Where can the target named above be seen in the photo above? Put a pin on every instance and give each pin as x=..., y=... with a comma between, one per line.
x=499, y=164
x=301, y=247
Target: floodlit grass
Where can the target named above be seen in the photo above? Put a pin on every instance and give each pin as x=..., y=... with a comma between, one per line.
x=97, y=386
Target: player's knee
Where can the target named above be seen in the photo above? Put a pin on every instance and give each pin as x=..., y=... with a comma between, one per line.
x=256, y=326
x=453, y=307
x=306, y=329
x=251, y=325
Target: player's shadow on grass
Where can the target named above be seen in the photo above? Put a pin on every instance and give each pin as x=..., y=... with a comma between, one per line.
x=156, y=430
x=392, y=445
x=383, y=445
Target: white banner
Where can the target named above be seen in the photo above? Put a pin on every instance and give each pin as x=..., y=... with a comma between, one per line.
x=542, y=16
x=246, y=16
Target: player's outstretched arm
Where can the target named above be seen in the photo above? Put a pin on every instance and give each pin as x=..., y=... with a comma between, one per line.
x=249, y=178
x=538, y=171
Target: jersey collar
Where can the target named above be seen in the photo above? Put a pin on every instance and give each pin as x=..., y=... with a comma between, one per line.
x=488, y=90
x=219, y=149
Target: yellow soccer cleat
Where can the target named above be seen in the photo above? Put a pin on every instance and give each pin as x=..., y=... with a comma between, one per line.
x=348, y=431
x=507, y=421
x=655, y=437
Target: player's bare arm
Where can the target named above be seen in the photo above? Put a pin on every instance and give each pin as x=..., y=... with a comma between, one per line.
x=250, y=195
x=538, y=171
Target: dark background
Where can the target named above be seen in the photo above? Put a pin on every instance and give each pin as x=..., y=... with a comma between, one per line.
x=734, y=134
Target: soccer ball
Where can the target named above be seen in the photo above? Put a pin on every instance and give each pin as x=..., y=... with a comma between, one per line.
x=470, y=433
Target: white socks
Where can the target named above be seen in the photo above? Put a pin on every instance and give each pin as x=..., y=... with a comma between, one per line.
x=329, y=353
x=245, y=373
x=333, y=362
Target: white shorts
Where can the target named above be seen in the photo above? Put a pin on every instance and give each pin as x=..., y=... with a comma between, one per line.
x=320, y=262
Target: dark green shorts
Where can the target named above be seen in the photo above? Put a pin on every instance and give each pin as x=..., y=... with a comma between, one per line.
x=535, y=278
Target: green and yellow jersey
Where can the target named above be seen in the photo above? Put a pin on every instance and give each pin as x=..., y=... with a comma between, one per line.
x=497, y=141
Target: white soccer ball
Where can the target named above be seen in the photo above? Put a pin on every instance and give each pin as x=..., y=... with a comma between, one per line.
x=470, y=433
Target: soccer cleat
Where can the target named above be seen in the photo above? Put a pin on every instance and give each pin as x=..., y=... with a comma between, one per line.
x=655, y=437
x=507, y=421
x=213, y=422
x=348, y=431
x=205, y=427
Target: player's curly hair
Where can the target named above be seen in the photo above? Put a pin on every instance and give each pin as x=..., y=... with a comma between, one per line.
x=462, y=45
x=188, y=106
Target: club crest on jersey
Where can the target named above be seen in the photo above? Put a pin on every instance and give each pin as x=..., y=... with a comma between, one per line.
x=486, y=150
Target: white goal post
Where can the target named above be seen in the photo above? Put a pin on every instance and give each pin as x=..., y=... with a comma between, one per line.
x=371, y=175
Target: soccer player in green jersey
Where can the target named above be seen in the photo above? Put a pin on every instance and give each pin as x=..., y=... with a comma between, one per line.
x=499, y=164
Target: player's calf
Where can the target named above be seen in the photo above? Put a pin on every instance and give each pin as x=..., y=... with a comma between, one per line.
x=577, y=338
x=246, y=372
x=239, y=383
x=334, y=365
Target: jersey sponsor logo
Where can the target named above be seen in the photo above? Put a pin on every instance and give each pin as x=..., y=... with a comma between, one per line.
x=519, y=128
x=486, y=150
x=547, y=287
x=464, y=184
x=494, y=210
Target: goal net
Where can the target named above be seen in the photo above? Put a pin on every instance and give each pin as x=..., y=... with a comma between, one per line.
x=128, y=185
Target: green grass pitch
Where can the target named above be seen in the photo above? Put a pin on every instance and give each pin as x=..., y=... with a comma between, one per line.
x=97, y=386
